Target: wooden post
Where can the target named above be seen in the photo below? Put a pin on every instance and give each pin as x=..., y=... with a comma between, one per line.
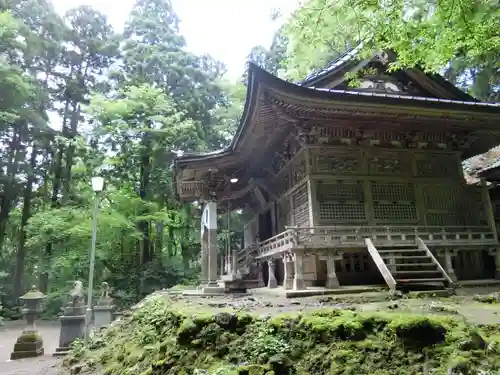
x=488, y=207
x=298, y=279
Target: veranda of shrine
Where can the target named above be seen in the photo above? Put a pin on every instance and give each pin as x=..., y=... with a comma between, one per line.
x=352, y=186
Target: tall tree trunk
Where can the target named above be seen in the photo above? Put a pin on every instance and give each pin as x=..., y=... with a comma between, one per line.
x=56, y=187
x=70, y=152
x=18, y=285
x=9, y=190
x=145, y=171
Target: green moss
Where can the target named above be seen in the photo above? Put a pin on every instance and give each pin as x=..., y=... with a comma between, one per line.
x=488, y=298
x=157, y=339
x=29, y=337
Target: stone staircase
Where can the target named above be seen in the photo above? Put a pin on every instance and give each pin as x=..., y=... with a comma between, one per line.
x=412, y=268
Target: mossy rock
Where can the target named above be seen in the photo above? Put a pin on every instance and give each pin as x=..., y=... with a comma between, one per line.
x=253, y=370
x=157, y=339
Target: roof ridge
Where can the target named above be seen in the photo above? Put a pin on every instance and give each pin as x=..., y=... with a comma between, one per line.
x=332, y=64
x=408, y=97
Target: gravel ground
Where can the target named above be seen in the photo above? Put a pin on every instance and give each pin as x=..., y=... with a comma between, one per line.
x=43, y=365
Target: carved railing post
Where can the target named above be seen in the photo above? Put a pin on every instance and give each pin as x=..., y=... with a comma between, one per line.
x=295, y=237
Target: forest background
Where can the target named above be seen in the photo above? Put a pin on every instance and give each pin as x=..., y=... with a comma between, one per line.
x=126, y=101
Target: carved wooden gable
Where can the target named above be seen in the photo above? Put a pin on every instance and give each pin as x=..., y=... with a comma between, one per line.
x=374, y=75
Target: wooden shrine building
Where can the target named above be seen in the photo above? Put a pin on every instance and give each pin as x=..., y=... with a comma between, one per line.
x=354, y=185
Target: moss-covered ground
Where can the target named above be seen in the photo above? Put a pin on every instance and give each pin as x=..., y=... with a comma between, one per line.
x=170, y=335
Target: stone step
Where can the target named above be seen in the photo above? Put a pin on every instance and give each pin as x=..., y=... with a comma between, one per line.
x=415, y=272
x=392, y=251
x=413, y=265
x=406, y=257
x=421, y=281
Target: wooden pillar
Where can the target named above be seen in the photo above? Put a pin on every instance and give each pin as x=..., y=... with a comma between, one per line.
x=288, y=263
x=488, y=208
x=274, y=221
x=298, y=279
x=332, y=281
x=495, y=252
x=420, y=202
x=312, y=202
x=210, y=222
x=367, y=186
x=204, y=255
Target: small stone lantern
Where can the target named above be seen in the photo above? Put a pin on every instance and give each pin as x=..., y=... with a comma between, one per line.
x=29, y=343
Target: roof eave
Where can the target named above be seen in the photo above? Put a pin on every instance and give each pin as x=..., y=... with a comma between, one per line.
x=250, y=102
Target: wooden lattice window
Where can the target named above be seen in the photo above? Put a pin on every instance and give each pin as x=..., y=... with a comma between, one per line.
x=445, y=205
x=441, y=197
x=341, y=211
x=393, y=201
x=394, y=211
x=443, y=219
x=341, y=201
x=392, y=191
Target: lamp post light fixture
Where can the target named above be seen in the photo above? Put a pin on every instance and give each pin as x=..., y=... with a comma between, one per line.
x=97, y=186
x=233, y=180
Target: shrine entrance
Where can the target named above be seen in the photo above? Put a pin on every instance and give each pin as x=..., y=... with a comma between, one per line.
x=265, y=225
x=321, y=272
x=265, y=272
x=279, y=271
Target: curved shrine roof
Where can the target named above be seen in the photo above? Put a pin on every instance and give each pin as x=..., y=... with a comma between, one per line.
x=271, y=102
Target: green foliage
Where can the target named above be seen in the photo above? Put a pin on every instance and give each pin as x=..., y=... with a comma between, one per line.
x=459, y=37
x=159, y=338
x=119, y=104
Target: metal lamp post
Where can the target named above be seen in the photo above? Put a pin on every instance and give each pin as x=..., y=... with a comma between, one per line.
x=97, y=186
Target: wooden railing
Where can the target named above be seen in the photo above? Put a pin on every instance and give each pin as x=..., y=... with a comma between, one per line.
x=348, y=236
x=422, y=246
x=282, y=242
x=382, y=267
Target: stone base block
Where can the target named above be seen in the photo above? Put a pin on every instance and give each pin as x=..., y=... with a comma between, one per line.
x=103, y=315
x=205, y=291
x=332, y=283
x=24, y=348
x=72, y=328
x=230, y=277
x=272, y=283
x=298, y=284
x=234, y=286
x=61, y=351
x=213, y=290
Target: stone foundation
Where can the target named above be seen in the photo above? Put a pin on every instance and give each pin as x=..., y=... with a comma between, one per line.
x=28, y=345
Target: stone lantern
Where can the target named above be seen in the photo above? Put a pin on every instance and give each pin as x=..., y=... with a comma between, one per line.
x=29, y=343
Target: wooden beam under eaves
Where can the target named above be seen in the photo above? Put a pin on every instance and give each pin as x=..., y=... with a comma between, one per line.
x=260, y=197
x=263, y=184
